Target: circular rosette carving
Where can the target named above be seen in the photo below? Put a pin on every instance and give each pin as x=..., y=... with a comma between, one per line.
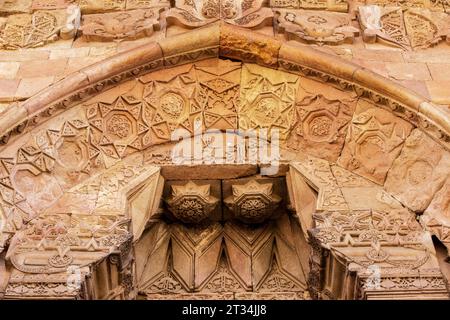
x=191, y=203
x=253, y=202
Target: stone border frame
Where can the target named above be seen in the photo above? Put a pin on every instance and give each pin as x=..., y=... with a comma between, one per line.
x=222, y=40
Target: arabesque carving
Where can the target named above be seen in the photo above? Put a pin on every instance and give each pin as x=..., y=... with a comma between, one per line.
x=413, y=28
x=37, y=29
x=243, y=13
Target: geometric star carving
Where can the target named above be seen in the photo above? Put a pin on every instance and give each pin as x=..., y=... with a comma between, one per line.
x=118, y=128
x=253, y=202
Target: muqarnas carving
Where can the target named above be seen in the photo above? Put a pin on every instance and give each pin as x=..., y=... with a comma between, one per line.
x=331, y=5
x=243, y=13
x=37, y=29
x=253, y=202
x=412, y=28
x=314, y=27
x=191, y=203
x=124, y=25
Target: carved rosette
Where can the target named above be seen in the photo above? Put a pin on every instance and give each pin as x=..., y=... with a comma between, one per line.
x=253, y=202
x=191, y=203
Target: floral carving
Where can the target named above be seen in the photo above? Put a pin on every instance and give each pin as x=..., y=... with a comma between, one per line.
x=244, y=13
x=37, y=29
x=126, y=25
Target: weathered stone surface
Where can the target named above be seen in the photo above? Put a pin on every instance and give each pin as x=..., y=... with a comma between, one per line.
x=267, y=100
x=39, y=28
x=440, y=205
x=92, y=6
x=123, y=25
x=309, y=27
x=419, y=172
x=321, y=122
x=374, y=140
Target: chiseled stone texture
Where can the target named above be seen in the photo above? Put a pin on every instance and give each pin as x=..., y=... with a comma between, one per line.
x=374, y=139
x=440, y=205
x=419, y=172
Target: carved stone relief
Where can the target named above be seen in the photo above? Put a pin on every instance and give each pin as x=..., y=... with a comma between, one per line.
x=41, y=27
x=92, y=6
x=319, y=121
x=419, y=172
x=243, y=13
x=124, y=25
x=267, y=100
x=231, y=262
x=191, y=203
x=373, y=142
x=331, y=5
x=310, y=27
x=253, y=202
x=413, y=28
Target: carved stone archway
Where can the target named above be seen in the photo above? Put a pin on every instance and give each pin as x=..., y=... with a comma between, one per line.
x=86, y=162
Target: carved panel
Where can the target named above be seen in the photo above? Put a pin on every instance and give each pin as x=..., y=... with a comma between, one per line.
x=191, y=203
x=243, y=13
x=141, y=4
x=91, y=6
x=267, y=100
x=419, y=172
x=15, y=6
x=118, y=128
x=39, y=28
x=127, y=25
x=374, y=140
x=51, y=4
x=413, y=28
x=321, y=122
x=332, y=5
x=253, y=202
x=310, y=27
x=218, y=93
